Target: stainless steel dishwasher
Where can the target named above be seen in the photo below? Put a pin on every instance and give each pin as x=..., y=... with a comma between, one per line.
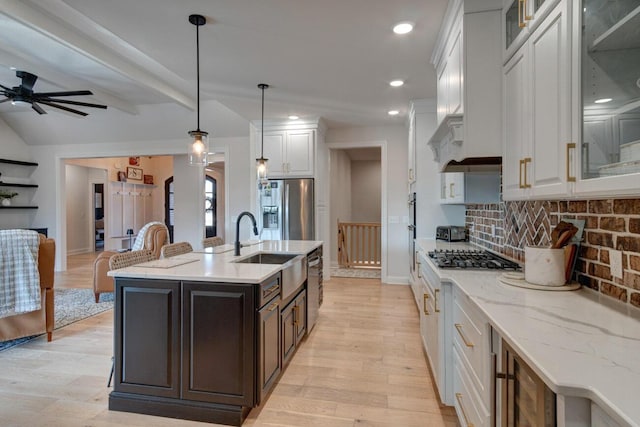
x=314, y=286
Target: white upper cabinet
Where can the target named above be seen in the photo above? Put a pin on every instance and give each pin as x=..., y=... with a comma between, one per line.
x=537, y=112
x=467, y=59
x=520, y=18
x=607, y=114
x=290, y=153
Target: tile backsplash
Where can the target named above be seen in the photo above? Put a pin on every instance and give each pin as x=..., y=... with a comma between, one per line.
x=508, y=227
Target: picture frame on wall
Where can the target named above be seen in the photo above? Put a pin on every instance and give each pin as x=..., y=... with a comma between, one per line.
x=148, y=179
x=134, y=173
x=122, y=176
x=134, y=161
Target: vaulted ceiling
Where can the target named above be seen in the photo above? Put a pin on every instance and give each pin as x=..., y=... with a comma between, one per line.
x=328, y=58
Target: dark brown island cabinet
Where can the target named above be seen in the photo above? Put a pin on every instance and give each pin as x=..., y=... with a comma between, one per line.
x=202, y=351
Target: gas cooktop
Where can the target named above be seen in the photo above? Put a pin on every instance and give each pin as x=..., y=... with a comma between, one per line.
x=472, y=259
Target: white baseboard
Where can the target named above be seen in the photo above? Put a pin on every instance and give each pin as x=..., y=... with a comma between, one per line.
x=395, y=280
x=79, y=251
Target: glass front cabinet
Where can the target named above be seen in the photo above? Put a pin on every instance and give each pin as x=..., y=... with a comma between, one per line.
x=607, y=157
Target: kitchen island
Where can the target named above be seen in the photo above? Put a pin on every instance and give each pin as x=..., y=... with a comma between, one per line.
x=205, y=336
x=583, y=345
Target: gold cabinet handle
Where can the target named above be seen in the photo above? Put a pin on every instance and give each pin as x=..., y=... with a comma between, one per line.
x=425, y=297
x=520, y=185
x=466, y=341
x=451, y=189
x=436, y=308
x=272, y=306
x=524, y=11
x=524, y=162
x=464, y=414
x=570, y=146
x=521, y=22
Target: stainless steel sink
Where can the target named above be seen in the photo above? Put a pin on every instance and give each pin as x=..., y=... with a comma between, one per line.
x=294, y=269
x=267, y=258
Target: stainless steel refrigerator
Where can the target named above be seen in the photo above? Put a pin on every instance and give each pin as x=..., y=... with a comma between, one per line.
x=286, y=209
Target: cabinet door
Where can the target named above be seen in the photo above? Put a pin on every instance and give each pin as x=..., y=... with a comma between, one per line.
x=147, y=347
x=274, y=152
x=514, y=121
x=287, y=320
x=550, y=98
x=269, y=356
x=301, y=316
x=218, y=343
x=452, y=187
x=429, y=329
x=299, y=153
x=411, y=160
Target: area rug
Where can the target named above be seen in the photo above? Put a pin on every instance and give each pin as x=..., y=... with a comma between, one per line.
x=71, y=305
x=355, y=273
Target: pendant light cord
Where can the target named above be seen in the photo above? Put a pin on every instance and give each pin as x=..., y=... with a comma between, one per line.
x=262, y=86
x=198, y=72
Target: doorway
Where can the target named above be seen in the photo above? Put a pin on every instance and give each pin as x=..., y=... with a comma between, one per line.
x=358, y=195
x=98, y=216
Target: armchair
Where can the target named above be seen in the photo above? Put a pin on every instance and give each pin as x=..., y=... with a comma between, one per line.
x=39, y=321
x=152, y=236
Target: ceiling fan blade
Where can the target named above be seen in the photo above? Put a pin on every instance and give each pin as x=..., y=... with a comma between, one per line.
x=62, y=107
x=64, y=101
x=38, y=108
x=5, y=100
x=65, y=93
x=6, y=88
x=28, y=79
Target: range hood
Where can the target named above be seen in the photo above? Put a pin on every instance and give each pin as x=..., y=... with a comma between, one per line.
x=460, y=144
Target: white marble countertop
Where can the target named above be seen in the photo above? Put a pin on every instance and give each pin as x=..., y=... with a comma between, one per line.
x=217, y=264
x=579, y=342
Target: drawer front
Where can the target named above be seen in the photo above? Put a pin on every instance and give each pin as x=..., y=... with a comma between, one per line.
x=469, y=406
x=471, y=339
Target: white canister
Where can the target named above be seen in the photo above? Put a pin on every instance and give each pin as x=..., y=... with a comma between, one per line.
x=544, y=266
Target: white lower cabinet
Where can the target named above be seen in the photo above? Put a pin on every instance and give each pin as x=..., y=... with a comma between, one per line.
x=471, y=362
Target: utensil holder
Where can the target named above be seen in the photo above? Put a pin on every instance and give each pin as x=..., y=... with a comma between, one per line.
x=544, y=266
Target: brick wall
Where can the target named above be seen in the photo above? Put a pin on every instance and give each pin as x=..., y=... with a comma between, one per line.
x=609, y=224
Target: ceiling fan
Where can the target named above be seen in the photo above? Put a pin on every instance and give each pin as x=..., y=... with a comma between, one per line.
x=24, y=94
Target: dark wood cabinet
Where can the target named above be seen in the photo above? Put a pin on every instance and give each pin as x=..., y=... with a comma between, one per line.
x=269, y=360
x=218, y=343
x=294, y=325
x=147, y=344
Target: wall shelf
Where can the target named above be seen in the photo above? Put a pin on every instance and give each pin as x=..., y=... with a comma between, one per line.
x=17, y=162
x=14, y=184
x=18, y=207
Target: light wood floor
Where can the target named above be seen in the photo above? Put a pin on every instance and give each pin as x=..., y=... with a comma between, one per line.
x=362, y=365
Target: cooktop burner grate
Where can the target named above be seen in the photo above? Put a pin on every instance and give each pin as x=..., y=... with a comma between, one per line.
x=472, y=259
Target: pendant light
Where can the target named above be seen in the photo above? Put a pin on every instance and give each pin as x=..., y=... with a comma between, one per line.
x=261, y=163
x=199, y=144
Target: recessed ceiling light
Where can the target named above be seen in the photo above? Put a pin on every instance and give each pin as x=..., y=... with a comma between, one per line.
x=393, y=112
x=293, y=117
x=12, y=68
x=396, y=83
x=403, y=28
x=602, y=100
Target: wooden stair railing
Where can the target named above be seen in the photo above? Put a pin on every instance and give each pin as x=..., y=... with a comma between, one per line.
x=359, y=244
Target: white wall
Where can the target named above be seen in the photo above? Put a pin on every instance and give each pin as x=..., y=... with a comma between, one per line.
x=366, y=190
x=340, y=190
x=395, y=253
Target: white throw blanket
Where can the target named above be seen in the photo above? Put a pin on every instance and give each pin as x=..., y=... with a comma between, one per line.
x=19, y=275
x=139, y=243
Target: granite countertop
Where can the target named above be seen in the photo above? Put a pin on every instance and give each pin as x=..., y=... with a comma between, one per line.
x=217, y=264
x=579, y=342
